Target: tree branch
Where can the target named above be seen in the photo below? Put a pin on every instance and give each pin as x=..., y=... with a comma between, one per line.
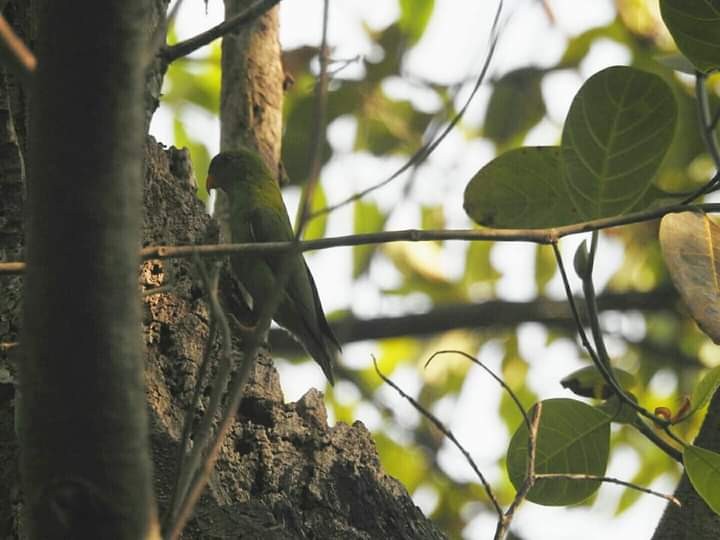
x=14, y=53
x=537, y=236
x=183, y=48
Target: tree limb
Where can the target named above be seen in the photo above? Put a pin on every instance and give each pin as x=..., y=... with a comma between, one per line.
x=183, y=48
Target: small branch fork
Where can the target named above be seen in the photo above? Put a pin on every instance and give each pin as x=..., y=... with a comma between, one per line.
x=170, y=53
x=532, y=422
x=600, y=358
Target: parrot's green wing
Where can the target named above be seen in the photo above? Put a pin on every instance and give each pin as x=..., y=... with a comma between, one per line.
x=267, y=225
x=301, y=291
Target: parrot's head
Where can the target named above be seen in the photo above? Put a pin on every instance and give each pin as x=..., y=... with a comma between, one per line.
x=230, y=169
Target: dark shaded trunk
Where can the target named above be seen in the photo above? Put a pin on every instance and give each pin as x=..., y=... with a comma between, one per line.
x=82, y=420
x=694, y=520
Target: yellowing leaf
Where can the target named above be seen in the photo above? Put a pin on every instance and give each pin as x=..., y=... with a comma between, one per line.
x=690, y=246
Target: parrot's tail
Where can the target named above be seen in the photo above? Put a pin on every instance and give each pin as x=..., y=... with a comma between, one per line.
x=324, y=352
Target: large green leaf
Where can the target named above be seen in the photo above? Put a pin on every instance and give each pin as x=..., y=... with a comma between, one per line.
x=414, y=16
x=703, y=469
x=389, y=126
x=616, y=134
x=521, y=188
x=695, y=26
x=573, y=438
x=690, y=244
x=516, y=105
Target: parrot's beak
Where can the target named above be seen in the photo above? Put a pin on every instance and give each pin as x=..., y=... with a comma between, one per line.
x=209, y=183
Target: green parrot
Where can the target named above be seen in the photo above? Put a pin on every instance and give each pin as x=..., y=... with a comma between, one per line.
x=258, y=214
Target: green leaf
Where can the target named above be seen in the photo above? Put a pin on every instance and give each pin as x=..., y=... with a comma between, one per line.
x=405, y=462
x=414, y=17
x=677, y=62
x=389, y=126
x=478, y=265
x=367, y=218
x=316, y=227
x=545, y=266
x=589, y=382
x=197, y=82
x=704, y=391
x=521, y=188
x=703, y=469
x=198, y=152
x=516, y=105
x=690, y=243
x=694, y=26
x=573, y=438
x=619, y=411
x=616, y=134
x=579, y=46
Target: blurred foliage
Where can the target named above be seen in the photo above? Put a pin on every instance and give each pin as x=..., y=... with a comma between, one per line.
x=668, y=346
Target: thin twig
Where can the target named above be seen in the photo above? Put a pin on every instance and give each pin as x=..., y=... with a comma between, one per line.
x=449, y=434
x=318, y=139
x=424, y=151
x=664, y=446
x=156, y=43
x=536, y=236
x=607, y=479
x=603, y=358
x=548, y=11
x=490, y=372
x=14, y=53
x=598, y=354
x=246, y=17
x=707, y=130
x=503, y=524
x=193, y=462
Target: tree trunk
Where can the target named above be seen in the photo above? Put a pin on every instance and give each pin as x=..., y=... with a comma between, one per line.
x=85, y=464
x=694, y=519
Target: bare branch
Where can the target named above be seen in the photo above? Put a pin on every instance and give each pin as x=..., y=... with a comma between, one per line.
x=536, y=236
x=316, y=145
x=490, y=372
x=183, y=48
x=609, y=480
x=602, y=364
x=14, y=53
x=449, y=434
x=503, y=524
x=424, y=151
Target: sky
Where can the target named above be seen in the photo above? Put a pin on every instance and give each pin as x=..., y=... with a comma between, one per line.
x=453, y=46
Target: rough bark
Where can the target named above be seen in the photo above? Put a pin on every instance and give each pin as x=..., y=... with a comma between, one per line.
x=11, y=248
x=694, y=520
x=283, y=473
x=82, y=425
